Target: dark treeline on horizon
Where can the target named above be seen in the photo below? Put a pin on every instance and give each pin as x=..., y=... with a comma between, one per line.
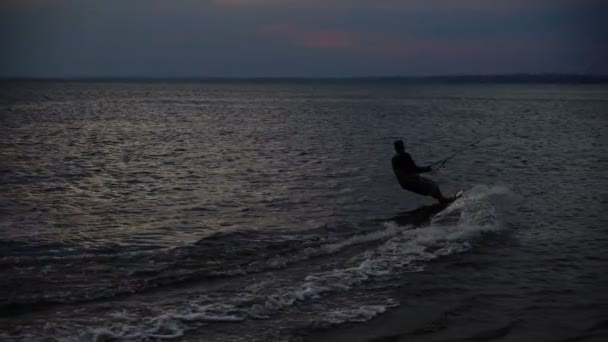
x=499, y=78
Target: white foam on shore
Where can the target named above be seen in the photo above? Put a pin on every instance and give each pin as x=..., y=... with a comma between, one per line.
x=405, y=250
x=358, y=314
x=169, y=325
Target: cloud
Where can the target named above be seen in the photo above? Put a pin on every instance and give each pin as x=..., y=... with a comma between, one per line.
x=397, y=48
x=23, y=4
x=308, y=37
x=388, y=44
x=313, y=38
x=413, y=5
x=328, y=40
x=247, y=3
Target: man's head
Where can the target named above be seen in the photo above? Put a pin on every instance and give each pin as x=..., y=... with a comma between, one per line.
x=399, y=146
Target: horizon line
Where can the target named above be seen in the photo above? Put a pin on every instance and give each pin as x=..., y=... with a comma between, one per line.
x=513, y=77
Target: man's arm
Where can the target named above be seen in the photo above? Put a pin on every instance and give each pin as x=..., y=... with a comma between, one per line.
x=419, y=169
x=424, y=169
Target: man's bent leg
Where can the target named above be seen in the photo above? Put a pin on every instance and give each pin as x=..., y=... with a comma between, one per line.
x=433, y=190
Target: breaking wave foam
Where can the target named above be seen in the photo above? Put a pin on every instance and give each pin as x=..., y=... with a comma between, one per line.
x=401, y=250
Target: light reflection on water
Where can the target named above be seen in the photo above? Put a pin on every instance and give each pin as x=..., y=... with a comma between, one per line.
x=105, y=169
x=109, y=162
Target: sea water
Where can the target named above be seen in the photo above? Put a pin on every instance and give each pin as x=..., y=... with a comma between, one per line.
x=264, y=211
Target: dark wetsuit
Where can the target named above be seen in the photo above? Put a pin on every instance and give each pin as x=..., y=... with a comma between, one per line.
x=407, y=172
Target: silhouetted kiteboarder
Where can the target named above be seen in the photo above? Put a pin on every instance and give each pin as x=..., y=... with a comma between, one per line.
x=408, y=175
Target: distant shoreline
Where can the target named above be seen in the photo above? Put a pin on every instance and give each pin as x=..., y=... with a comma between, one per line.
x=506, y=78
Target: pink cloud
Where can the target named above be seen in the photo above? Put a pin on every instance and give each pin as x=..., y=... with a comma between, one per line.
x=437, y=6
x=402, y=48
x=332, y=39
x=242, y=3
x=318, y=39
x=322, y=39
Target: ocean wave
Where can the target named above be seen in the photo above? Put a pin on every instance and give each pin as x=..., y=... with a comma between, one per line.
x=89, y=277
x=459, y=229
x=357, y=314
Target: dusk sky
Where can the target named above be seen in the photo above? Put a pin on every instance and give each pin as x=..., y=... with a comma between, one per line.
x=301, y=38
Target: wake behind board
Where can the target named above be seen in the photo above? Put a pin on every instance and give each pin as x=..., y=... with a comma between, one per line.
x=446, y=214
x=452, y=199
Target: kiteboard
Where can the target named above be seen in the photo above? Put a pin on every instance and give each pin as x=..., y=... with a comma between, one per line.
x=457, y=196
x=452, y=200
